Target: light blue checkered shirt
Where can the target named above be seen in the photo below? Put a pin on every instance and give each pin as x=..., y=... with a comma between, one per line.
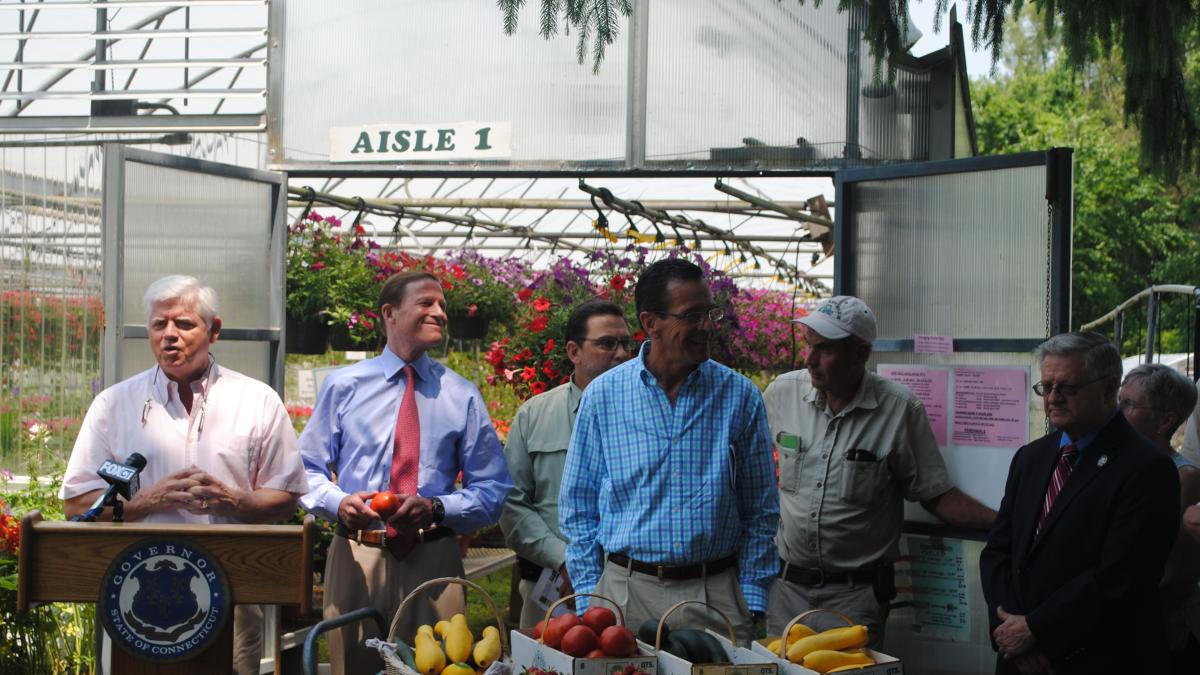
x=671, y=485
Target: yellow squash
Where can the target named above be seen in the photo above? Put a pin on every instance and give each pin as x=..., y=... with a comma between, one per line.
x=428, y=655
x=798, y=631
x=833, y=639
x=828, y=660
x=487, y=650
x=458, y=669
x=458, y=639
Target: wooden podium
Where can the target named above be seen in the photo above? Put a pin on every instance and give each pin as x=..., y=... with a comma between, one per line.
x=263, y=564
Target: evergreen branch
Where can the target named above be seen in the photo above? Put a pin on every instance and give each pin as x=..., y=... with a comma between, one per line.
x=511, y=9
x=549, y=18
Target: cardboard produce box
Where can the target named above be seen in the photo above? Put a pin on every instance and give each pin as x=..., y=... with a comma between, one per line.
x=741, y=661
x=884, y=664
x=528, y=653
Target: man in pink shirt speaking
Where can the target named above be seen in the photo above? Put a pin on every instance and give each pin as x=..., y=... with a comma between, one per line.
x=218, y=445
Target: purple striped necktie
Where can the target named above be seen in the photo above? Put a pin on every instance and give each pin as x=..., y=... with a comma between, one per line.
x=1061, y=473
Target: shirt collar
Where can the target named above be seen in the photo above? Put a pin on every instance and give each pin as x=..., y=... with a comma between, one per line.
x=1084, y=441
x=648, y=377
x=392, y=365
x=574, y=395
x=864, y=398
x=165, y=388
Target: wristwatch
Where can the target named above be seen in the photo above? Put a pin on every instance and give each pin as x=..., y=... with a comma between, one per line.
x=439, y=510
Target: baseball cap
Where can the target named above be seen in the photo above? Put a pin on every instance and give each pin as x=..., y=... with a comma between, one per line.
x=840, y=317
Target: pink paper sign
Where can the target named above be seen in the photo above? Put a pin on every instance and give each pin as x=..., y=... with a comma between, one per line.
x=933, y=344
x=991, y=407
x=930, y=386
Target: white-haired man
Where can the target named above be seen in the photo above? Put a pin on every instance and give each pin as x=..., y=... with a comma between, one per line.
x=219, y=446
x=852, y=447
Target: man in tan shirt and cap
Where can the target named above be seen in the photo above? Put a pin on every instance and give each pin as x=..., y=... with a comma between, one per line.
x=852, y=447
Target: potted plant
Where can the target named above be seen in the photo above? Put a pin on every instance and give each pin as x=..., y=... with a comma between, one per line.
x=331, y=287
x=480, y=291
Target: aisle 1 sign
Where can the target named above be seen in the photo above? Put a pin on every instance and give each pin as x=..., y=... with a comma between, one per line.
x=420, y=142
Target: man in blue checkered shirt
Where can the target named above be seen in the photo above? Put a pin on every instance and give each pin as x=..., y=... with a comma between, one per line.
x=669, y=488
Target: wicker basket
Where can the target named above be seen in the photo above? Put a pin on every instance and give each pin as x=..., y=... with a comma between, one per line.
x=783, y=645
x=397, y=655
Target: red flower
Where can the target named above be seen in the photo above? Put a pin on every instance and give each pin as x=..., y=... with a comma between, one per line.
x=538, y=387
x=541, y=304
x=472, y=309
x=617, y=282
x=318, y=266
x=528, y=373
x=524, y=355
x=525, y=294
x=549, y=346
x=549, y=370
x=495, y=355
x=458, y=272
x=639, y=336
x=539, y=323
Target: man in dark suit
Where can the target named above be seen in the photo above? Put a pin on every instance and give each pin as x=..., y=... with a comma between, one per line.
x=1071, y=567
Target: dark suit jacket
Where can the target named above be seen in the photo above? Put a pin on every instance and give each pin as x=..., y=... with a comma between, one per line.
x=1088, y=583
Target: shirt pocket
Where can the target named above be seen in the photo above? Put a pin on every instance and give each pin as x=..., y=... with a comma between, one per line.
x=237, y=458
x=548, y=460
x=862, y=480
x=789, y=468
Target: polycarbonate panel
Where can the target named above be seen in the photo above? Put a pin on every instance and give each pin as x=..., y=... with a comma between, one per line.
x=964, y=255
x=215, y=228
x=248, y=358
x=358, y=62
x=737, y=73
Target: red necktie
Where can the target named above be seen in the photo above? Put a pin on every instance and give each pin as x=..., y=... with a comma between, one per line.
x=406, y=459
x=1061, y=473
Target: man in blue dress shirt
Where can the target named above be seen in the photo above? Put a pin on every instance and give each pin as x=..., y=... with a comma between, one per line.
x=669, y=488
x=354, y=445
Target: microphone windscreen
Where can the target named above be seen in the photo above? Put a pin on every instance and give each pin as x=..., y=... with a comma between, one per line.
x=137, y=461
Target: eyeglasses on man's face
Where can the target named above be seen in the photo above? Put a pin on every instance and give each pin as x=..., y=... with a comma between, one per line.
x=713, y=314
x=610, y=343
x=1044, y=389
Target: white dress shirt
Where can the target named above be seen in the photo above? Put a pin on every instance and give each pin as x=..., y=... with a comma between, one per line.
x=238, y=431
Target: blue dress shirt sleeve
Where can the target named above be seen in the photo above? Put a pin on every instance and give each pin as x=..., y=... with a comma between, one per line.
x=578, y=502
x=485, y=479
x=758, y=505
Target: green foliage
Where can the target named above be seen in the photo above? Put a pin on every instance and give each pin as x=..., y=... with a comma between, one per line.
x=1131, y=228
x=52, y=638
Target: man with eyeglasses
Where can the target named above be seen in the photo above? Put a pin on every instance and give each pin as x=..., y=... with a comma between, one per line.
x=597, y=339
x=852, y=447
x=1089, y=515
x=219, y=446
x=667, y=494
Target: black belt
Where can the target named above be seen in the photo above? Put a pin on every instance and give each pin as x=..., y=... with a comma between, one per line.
x=698, y=571
x=529, y=570
x=377, y=538
x=809, y=577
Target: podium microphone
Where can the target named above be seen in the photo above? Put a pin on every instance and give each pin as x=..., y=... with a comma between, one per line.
x=122, y=480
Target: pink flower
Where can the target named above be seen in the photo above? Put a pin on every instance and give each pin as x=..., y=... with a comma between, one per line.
x=318, y=266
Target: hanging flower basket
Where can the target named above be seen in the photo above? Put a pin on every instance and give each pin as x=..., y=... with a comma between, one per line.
x=307, y=336
x=342, y=340
x=468, y=327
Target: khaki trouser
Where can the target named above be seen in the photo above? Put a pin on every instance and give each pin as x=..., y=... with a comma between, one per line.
x=357, y=575
x=855, y=600
x=530, y=612
x=645, y=596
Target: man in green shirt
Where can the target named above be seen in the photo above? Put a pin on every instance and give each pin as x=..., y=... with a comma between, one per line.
x=597, y=338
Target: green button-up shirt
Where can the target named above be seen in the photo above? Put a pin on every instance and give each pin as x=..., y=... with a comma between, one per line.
x=536, y=452
x=838, y=514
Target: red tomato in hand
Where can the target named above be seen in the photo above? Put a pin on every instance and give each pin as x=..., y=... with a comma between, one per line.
x=385, y=504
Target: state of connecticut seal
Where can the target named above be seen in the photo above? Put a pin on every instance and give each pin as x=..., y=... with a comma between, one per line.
x=164, y=599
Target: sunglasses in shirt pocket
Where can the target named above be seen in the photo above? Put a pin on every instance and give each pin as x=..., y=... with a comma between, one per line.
x=863, y=474
x=788, y=447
